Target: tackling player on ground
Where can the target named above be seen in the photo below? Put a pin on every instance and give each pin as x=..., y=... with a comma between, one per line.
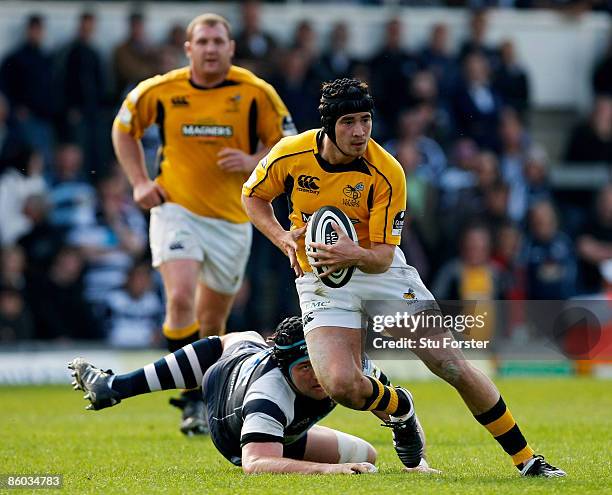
x=339, y=165
x=212, y=116
x=262, y=403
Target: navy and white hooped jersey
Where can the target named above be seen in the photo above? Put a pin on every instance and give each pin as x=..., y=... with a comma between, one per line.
x=249, y=400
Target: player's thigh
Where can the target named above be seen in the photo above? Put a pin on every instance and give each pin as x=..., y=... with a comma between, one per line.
x=180, y=278
x=226, y=249
x=335, y=353
x=331, y=446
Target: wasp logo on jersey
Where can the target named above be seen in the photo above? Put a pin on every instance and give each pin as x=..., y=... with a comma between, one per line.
x=179, y=101
x=196, y=130
x=307, y=183
x=353, y=193
x=398, y=223
x=233, y=103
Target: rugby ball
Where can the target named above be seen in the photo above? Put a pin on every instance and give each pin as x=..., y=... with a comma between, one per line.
x=320, y=229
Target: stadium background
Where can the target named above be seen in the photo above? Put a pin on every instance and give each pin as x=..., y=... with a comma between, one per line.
x=508, y=182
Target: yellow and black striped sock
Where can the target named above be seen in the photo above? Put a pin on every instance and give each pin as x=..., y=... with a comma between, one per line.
x=386, y=399
x=180, y=337
x=500, y=423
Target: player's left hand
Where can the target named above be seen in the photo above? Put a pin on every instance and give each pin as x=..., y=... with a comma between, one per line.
x=235, y=160
x=342, y=254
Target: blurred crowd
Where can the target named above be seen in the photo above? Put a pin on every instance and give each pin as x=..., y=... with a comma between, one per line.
x=483, y=220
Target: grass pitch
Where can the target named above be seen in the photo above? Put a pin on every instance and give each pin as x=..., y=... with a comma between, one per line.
x=136, y=447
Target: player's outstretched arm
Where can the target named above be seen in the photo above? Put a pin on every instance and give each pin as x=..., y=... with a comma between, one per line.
x=268, y=458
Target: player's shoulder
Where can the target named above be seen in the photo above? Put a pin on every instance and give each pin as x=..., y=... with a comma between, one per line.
x=158, y=82
x=302, y=143
x=384, y=162
x=245, y=76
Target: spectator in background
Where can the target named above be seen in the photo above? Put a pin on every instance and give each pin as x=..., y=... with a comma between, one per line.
x=591, y=141
x=514, y=142
x=44, y=240
x=135, y=58
x=594, y=244
x=391, y=67
x=10, y=136
x=419, y=230
x=437, y=58
x=511, y=81
x=460, y=175
x=431, y=160
x=549, y=256
x=134, y=312
x=56, y=298
x=172, y=52
x=506, y=257
x=83, y=91
x=477, y=106
x=602, y=74
x=299, y=89
x=537, y=184
x=336, y=60
x=472, y=276
x=112, y=242
x=73, y=198
x=12, y=267
x=15, y=318
x=26, y=79
x=305, y=39
x=476, y=42
x=21, y=175
x=255, y=49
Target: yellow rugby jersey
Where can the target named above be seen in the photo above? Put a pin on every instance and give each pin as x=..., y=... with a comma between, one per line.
x=195, y=124
x=370, y=190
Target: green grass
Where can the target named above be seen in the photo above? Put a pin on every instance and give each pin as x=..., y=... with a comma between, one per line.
x=136, y=447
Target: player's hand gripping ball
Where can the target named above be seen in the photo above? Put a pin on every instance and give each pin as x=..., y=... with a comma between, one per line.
x=321, y=229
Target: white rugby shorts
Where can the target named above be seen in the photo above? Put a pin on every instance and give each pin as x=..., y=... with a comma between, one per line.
x=365, y=296
x=220, y=246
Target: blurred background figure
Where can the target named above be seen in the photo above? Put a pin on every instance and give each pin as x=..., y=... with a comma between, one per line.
x=26, y=76
x=16, y=323
x=82, y=92
x=511, y=80
x=135, y=58
x=391, y=67
x=135, y=311
x=172, y=50
x=21, y=175
x=476, y=104
x=255, y=48
x=57, y=300
x=594, y=244
x=549, y=256
x=72, y=196
x=336, y=60
x=591, y=141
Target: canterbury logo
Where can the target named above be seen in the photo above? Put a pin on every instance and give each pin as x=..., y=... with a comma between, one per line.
x=308, y=183
x=179, y=101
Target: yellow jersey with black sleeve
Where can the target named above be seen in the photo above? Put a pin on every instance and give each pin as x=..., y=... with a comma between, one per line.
x=195, y=123
x=371, y=190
